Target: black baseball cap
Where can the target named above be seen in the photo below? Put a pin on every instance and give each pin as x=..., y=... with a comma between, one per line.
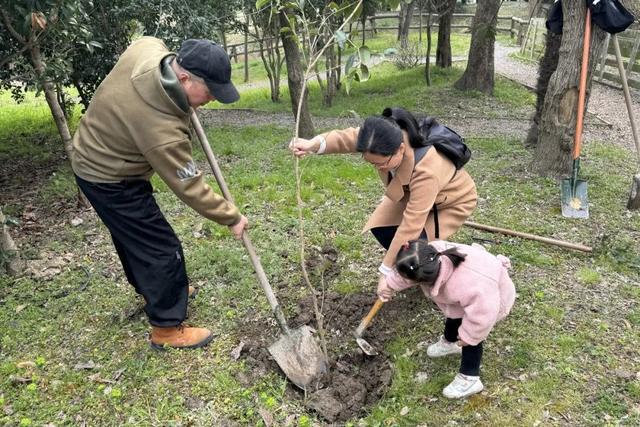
x=209, y=61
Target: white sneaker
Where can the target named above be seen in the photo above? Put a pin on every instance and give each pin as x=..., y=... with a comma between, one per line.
x=463, y=386
x=443, y=348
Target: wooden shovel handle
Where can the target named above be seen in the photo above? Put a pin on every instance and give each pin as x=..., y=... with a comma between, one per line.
x=365, y=322
x=257, y=265
x=582, y=90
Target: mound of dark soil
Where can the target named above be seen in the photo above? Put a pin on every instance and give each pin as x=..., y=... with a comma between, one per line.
x=355, y=381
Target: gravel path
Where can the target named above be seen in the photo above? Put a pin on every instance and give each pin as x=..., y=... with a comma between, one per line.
x=607, y=117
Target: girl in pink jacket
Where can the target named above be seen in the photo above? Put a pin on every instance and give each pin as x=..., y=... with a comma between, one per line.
x=470, y=286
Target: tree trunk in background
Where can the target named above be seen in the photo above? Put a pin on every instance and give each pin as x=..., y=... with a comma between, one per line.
x=443, y=50
x=52, y=100
x=295, y=78
x=479, y=74
x=9, y=257
x=405, y=23
x=558, y=119
x=547, y=67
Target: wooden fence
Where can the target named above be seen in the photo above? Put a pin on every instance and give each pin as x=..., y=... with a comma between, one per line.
x=460, y=21
x=530, y=35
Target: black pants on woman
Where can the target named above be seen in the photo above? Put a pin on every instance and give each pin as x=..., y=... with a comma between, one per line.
x=384, y=235
x=471, y=354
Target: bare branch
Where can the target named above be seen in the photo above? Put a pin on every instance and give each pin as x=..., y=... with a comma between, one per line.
x=12, y=31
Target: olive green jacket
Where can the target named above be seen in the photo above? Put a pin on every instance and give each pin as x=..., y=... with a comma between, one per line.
x=134, y=128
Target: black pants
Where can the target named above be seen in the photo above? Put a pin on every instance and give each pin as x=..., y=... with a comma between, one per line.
x=471, y=354
x=149, y=250
x=384, y=235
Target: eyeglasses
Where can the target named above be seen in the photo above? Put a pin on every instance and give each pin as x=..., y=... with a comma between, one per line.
x=381, y=164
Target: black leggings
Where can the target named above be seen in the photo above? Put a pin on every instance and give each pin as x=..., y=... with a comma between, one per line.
x=471, y=354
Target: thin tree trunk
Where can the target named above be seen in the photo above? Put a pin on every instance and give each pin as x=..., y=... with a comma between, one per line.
x=9, y=255
x=427, y=66
x=479, y=74
x=52, y=100
x=295, y=77
x=403, y=32
x=443, y=51
x=556, y=129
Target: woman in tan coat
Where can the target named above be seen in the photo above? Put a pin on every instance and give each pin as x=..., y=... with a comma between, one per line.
x=429, y=198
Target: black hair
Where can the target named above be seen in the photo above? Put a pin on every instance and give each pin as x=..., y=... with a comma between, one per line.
x=419, y=261
x=379, y=135
x=407, y=122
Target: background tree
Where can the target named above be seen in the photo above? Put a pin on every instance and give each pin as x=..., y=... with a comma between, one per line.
x=295, y=75
x=266, y=32
x=479, y=74
x=558, y=118
x=546, y=68
x=445, y=9
x=404, y=21
x=39, y=37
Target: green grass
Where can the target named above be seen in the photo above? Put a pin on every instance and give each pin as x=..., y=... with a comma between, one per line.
x=552, y=361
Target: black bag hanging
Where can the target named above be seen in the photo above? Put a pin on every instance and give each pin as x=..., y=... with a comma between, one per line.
x=445, y=140
x=610, y=15
x=555, y=17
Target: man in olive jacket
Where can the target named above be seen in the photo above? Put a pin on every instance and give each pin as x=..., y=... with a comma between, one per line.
x=138, y=124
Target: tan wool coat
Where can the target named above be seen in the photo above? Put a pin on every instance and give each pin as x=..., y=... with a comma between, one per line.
x=410, y=196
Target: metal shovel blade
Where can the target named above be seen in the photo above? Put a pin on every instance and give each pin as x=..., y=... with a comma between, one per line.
x=366, y=347
x=574, y=199
x=300, y=357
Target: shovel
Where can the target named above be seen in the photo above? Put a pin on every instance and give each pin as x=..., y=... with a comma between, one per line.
x=574, y=190
x=634, y=196
x=297, y=351
x=364, y=345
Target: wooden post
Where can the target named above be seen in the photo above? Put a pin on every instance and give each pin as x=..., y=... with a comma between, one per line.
x=605, y=53
x=634, y=53
x=512, y=28
x=535, y=35
x=246, y=49
x=521, y=33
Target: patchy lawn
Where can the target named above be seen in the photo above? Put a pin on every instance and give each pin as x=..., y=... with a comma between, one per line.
x=74, y=351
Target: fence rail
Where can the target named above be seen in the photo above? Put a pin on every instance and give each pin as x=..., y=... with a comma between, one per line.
x=530, y=35
x=515, y=29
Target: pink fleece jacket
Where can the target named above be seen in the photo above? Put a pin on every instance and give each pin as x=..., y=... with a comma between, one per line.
x=479, y=290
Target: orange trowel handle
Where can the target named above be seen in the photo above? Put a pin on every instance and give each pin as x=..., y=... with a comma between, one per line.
x=365, y=322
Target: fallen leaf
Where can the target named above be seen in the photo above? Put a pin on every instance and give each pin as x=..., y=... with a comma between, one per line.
x=404, y=411
x=96, y=378
x=26, y=364
x=76, y=222
x=421, y=377
x=87, y=365
x=117, y=374
x=266, y=417
x=20, y=308
x=235, y=353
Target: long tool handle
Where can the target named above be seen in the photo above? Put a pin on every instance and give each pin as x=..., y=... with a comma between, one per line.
x=577, y=139
x=506, y=231
x=217, y=173
x=627, y=95
x=365, y=322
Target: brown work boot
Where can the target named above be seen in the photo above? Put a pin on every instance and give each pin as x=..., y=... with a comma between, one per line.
x=180, y=337
x=192, y=292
